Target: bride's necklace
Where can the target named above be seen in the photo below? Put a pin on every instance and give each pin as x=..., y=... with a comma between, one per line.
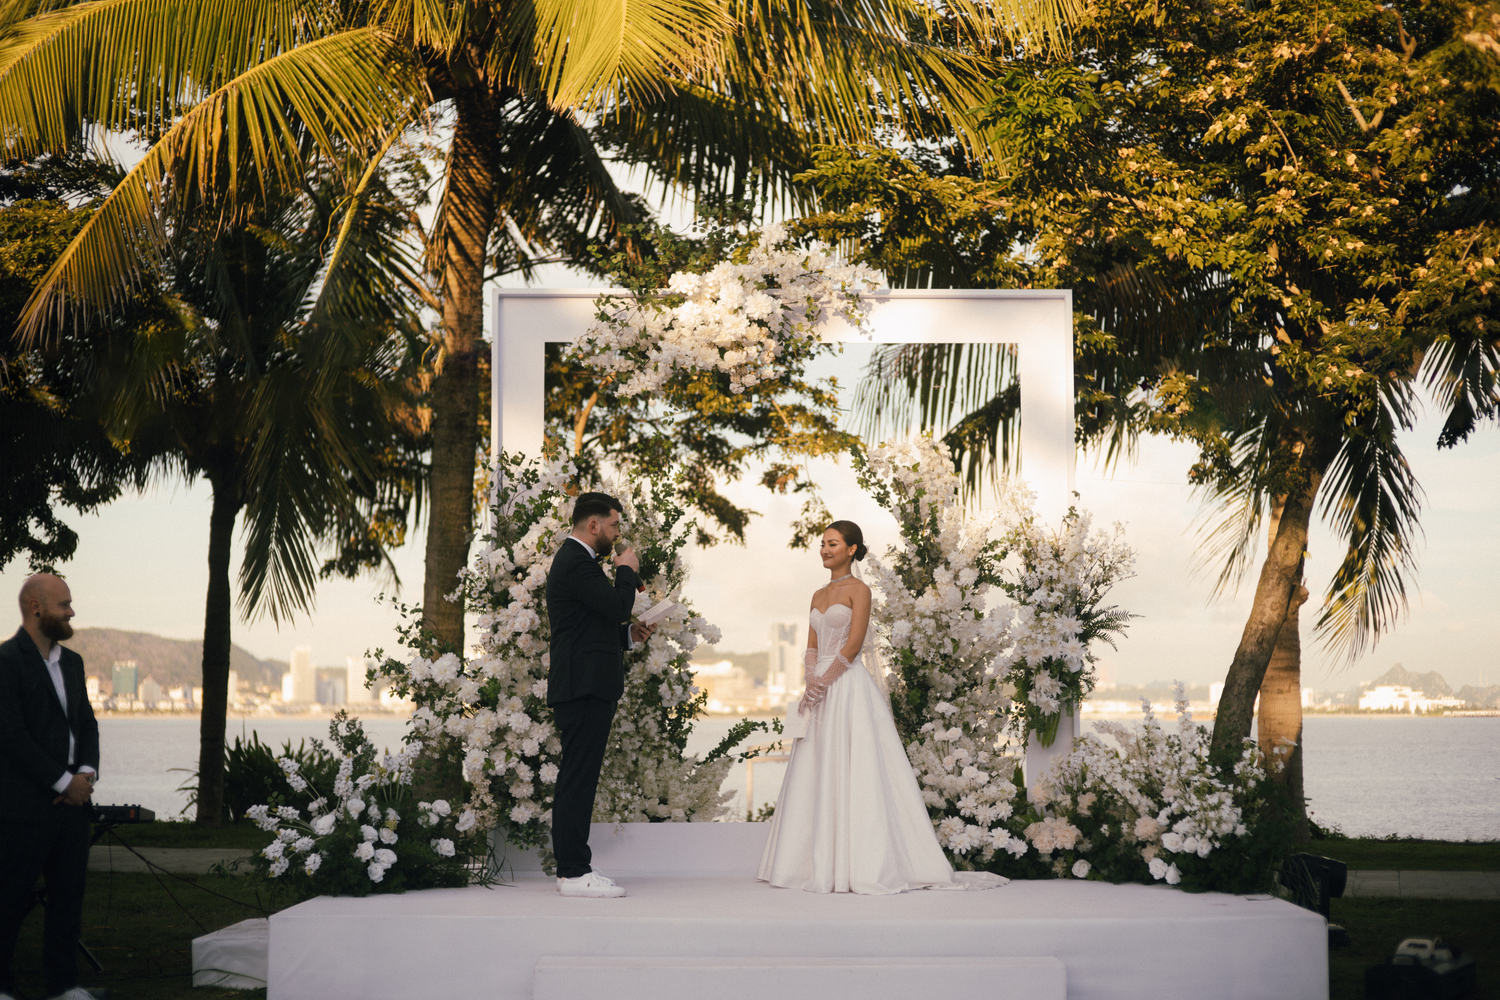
x=846, y=576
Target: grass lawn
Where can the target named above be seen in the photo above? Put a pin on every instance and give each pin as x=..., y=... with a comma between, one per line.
x=143, y=937
x=1412, y=855
x=1376, y=926
x=186, y=834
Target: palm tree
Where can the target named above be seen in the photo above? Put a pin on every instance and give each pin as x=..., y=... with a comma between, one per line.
x=282, y=387
x=704, y=94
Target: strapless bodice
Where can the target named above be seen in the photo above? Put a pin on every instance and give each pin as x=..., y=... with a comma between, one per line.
x=832, y=630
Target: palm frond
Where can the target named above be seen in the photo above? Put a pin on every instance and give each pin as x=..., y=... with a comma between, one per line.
x=1371, y=498
x=127, y=65
x=590, y=51
x=967, y=394
x=1462, y=370
x=341, y=86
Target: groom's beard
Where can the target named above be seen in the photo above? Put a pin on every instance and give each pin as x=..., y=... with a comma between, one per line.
x=55, y=627
x=603, y=547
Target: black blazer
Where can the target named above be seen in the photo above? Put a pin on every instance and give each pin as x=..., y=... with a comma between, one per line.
x=590, y=620
x=34, y=728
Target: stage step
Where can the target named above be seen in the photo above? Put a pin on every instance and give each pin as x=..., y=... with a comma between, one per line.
x=567, y=977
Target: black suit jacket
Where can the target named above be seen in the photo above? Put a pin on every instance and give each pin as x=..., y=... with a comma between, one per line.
x=34, y=728
x=590, y=620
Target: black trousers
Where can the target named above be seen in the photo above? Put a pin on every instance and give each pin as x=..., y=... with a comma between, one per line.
x=57, y=849
x=583, y=726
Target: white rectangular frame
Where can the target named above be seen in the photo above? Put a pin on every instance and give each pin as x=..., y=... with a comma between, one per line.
x=1038, y=322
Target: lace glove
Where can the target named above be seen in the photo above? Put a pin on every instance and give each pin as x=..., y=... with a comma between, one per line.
x=812, y=684
x=817, y=689
x=834, y=671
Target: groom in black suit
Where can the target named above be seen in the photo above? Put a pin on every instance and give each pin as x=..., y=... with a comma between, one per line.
x=49, y=757
x=591, y=630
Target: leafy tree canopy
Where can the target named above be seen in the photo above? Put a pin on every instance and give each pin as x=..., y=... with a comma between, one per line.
x=1277, y=218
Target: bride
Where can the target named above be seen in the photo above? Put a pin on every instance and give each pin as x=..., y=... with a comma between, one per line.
x=850, y=817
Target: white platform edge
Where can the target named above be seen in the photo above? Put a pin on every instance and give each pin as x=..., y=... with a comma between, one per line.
x=566, y=977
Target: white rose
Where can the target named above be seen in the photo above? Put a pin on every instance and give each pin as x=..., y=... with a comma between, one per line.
x=368, y=832
x=385, y=856
x=1173, y=875
x=366, y=851
x=387, y=835
x=444, y=847
x=1158, y=868
x=376, y=871
x=355, y=806
x=1081, y=868
x=1172, y=841
x=324, y=824
x=466, y=822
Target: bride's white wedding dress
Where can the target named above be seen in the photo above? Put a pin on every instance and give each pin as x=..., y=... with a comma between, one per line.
x=850, y=816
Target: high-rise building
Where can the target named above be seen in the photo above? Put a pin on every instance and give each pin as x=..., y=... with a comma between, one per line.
x=151, y=693
x=304, y=675
x=354, y=682
x=234, y=686
x=125, y=679
x=784, y=660
x=331, y=690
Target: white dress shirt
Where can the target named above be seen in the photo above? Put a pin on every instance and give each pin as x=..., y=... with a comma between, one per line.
x=54, y=669
x=629, y=639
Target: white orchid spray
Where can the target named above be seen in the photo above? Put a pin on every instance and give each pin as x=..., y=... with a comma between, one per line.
x=744, y=317
x=942, y=645
x=1059, y=588
x=493, y=704
x=365, y=834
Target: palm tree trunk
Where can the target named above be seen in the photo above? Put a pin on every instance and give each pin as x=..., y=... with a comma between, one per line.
x=217, y=622
x=468, y=218
x=1280, y=721
x=1280, y=575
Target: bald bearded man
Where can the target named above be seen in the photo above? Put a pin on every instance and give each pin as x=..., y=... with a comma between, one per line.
x=49, y=758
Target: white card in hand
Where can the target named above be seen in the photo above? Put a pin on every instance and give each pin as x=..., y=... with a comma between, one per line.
x=658, y=611
x=794, y=726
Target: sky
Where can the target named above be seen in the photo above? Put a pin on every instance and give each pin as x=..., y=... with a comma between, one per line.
x=141, y=565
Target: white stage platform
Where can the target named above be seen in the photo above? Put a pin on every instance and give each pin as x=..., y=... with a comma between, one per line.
x=709, y=930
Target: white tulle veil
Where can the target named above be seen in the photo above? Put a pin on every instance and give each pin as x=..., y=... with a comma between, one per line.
x=870, y=653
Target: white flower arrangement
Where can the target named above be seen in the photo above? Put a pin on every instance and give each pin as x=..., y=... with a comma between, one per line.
x=942, y=645
x=741, y=318
x=492, y=706
x=1154, y=808
x=346, y=844
x=1059, y=588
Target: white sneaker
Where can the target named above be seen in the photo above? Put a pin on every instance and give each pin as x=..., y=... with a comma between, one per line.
x=592, y=885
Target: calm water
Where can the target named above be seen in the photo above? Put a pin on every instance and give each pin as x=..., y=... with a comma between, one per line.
x=1370, y=775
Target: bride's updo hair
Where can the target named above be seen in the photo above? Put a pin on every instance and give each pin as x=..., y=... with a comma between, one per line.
x=852, y=536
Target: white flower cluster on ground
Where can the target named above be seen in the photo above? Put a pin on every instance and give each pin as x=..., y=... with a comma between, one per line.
x=492, y=706
x=349, y=840
x=1059, y=589
x=1149, y=806
x=943, y=644
x=740, y=317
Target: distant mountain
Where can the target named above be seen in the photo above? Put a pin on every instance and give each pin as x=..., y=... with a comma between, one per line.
x=1431, y=683
x=1485, y=697
x=172, y=662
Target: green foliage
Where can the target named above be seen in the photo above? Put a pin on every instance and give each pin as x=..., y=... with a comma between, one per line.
x=56, y=451
x=1277, y=220
x=252, y=776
